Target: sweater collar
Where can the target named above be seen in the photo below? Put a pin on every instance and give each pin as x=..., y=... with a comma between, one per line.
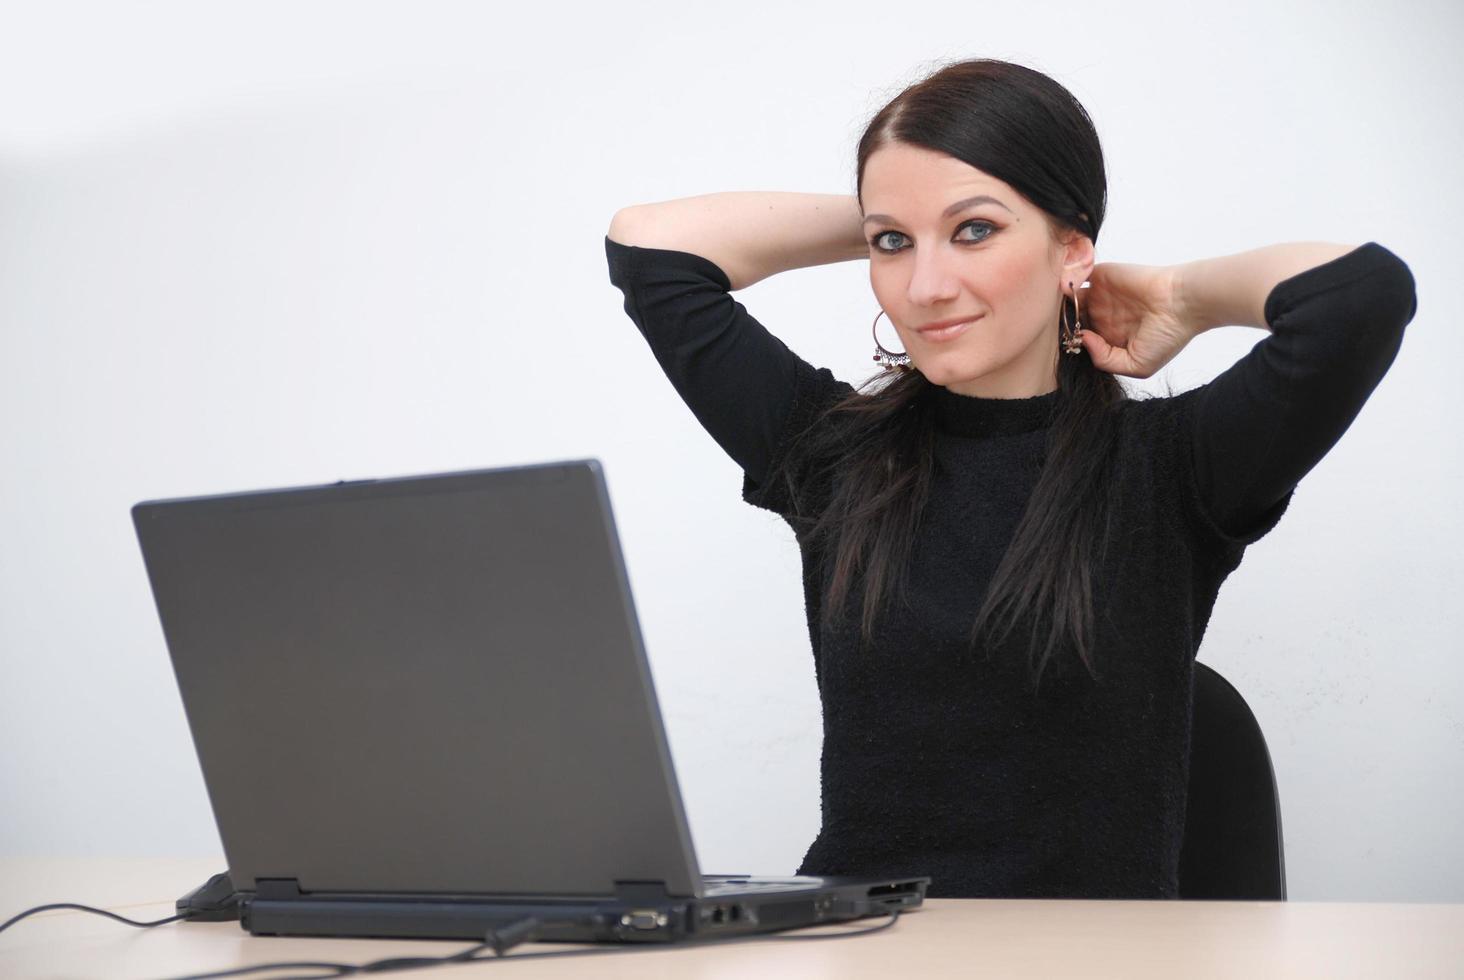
x=968, y=415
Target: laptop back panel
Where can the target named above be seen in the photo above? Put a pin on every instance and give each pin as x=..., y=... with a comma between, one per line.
x=366, y=669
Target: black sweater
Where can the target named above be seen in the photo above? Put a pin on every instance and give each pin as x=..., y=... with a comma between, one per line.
x=937, y=763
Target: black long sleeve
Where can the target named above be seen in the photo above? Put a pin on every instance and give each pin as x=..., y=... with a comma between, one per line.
x=939, y=759
x=1268, y=419
x=738, y=379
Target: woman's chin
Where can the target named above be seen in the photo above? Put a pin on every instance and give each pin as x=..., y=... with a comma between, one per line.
x=946, y=370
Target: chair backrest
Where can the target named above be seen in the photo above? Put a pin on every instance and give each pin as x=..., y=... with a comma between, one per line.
x=1232, y=835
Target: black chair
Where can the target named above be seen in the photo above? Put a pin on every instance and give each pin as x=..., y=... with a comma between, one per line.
x=1232, y=835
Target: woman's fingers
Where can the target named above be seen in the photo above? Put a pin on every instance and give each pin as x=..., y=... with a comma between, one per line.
x=1106, y=357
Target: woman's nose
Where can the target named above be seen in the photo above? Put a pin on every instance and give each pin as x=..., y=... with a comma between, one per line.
x=934, y=279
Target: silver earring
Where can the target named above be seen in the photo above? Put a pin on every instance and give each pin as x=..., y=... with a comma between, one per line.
x=889, y=359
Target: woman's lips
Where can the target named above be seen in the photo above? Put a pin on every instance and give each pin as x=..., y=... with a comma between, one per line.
x=947, y=333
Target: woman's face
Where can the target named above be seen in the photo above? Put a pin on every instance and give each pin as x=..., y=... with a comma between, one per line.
x=993, y=259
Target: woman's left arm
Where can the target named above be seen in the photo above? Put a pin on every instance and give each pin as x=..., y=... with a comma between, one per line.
x=1336, y=315
x=1231, y=291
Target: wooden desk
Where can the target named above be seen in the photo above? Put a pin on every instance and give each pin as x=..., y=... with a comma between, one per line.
x=947, y=938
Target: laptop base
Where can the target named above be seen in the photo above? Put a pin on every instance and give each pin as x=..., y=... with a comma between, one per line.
x=638, y=912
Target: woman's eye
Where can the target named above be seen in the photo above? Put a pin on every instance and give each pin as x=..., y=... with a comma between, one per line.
x=985, y=227
x=875, y=241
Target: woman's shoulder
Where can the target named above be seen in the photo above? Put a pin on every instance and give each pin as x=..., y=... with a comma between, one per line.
x=1151, y=421
x=1152, y=406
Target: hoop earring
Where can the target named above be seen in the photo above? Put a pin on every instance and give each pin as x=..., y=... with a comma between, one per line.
x=890, y=360
x=1069, y=335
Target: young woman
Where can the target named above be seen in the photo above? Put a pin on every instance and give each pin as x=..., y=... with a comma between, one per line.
x=1009, y=562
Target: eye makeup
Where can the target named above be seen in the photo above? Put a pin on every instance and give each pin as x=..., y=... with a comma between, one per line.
x=875, y=238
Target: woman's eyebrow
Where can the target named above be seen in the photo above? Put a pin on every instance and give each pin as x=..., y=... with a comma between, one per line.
x=958, y=206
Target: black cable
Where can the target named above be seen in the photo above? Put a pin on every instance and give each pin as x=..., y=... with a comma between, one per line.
x=499, y=940
x=86, y=908
x=346, y=969
x=894, y=916
x=524, y=933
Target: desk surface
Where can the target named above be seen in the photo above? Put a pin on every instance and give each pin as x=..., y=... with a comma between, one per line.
x=948, y=937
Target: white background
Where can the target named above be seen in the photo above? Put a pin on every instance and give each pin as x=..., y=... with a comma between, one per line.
x=248, y=245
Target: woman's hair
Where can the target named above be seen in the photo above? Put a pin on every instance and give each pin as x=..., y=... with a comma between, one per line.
x=1019, y=126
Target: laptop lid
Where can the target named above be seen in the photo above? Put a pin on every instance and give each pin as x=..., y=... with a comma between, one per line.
x=430, y=684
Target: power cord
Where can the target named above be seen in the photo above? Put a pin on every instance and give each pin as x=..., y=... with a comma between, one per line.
x=87, y=908
x=499, y=940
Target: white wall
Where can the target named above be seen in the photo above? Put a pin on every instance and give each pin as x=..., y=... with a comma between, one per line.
x=264, y=244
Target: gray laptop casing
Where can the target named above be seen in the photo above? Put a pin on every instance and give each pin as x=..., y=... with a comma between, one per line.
x=422, y=705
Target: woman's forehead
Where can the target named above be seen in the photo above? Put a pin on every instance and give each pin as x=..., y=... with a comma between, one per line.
x=939, y=202
x=899, y=175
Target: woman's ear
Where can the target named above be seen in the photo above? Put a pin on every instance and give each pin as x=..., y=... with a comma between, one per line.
x=1078, y=260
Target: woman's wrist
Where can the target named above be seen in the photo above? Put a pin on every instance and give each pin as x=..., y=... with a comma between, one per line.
x=1212, y=293
x=1191, y=308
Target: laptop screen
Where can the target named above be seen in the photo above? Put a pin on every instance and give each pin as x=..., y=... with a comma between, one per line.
x=423, y=684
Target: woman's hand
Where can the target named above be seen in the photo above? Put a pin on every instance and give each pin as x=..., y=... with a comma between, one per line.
x=1132, y=319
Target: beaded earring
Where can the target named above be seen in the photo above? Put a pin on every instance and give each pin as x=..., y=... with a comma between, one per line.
x=889, y=359
x=1070, y=343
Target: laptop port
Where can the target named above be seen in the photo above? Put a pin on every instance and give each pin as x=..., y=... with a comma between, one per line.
x=721, y=915
x=899, y=893
x=644, y=919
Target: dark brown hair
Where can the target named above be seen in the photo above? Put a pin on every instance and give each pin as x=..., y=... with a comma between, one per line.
x=876, y=446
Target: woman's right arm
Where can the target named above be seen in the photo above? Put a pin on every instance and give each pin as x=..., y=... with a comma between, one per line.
x=750, y=235
x=678, y=261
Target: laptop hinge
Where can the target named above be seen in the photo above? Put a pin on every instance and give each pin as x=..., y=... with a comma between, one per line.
x=642, y=893
x=277, y=889
x=628, y=892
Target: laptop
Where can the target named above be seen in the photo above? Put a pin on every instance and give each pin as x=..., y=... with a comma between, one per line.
x=422, y=708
